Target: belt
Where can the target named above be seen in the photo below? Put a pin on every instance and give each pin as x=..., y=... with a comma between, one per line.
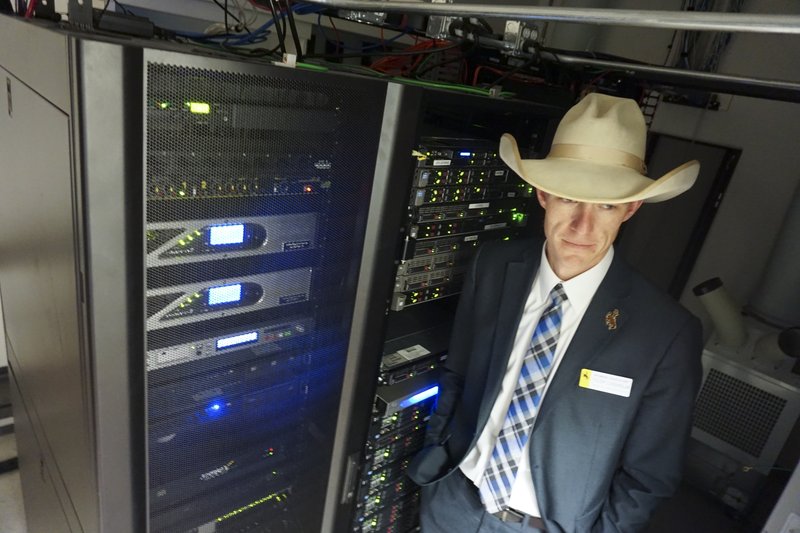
x=515, y=517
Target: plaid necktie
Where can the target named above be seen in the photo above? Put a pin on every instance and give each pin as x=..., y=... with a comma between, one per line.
x=495, y=487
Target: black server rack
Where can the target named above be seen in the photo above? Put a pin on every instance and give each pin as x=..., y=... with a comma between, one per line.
x=199, y=239
x=257, y=192
x=458, y=195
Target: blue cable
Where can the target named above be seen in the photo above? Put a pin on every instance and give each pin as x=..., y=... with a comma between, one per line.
x=256, y=36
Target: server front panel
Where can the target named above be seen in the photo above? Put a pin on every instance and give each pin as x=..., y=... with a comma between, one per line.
x=257, y=185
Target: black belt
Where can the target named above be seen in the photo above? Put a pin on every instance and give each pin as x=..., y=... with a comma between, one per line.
x=515, y=517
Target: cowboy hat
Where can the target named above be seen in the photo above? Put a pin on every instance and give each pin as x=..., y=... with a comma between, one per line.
x=597, y=156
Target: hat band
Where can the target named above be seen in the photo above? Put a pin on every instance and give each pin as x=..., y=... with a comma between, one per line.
x=596, y=154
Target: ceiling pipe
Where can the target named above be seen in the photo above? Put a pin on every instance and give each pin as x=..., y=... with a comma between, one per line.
x=678, y=20
x=739, y=85
x=783, y=90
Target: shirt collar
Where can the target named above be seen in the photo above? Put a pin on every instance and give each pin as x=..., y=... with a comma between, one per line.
x=580, y=289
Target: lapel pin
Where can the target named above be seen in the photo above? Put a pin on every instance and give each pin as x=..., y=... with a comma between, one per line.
x=611, y=319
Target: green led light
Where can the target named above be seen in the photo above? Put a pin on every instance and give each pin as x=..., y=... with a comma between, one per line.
x=200, y=108
x=163, y=105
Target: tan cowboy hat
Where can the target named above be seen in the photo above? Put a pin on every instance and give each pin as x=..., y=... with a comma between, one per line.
x=598, y=156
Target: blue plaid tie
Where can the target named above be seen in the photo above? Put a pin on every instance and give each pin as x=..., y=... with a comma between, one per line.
x=495, y=487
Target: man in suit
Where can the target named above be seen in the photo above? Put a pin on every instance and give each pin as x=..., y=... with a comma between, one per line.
x=566, y=399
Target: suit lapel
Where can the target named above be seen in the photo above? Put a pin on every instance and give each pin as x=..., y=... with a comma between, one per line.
x=516, y=285
x=592, y=335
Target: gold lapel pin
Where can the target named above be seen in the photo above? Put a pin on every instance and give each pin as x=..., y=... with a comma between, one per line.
x=611, y=319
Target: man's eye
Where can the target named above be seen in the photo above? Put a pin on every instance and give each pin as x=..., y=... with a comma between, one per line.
x=567, y=201
x=608, y=206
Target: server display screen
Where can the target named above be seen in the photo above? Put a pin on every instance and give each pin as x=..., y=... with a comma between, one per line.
x=237, y=340
x=227, y=234
x=225, y=294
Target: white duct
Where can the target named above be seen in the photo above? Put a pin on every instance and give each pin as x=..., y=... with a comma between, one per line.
x=778, y=297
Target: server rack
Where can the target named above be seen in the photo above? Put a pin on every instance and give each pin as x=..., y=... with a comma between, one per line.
x=186, y=285
x=457, y=195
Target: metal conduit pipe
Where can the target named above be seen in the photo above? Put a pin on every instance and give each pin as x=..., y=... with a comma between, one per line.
x=679, y=20
x=787, y=91
x=757, y=87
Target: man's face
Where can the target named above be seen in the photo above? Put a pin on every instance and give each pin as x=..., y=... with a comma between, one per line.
x=578, y=233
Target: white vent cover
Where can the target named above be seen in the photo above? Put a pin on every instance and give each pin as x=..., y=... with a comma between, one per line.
x=743, y=413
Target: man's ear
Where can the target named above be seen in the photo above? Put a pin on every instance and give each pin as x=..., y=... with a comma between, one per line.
x=631, y=208
x=542, y=197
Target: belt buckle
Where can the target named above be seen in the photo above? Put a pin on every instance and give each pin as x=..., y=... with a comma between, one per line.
x=509, y=515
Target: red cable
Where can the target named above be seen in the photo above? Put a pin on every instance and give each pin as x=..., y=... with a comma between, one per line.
x=29, y=11
x=258, y=6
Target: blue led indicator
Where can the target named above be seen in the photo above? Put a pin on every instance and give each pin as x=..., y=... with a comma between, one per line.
x=215, y=409
x=227, y=234
x=225, y=294
x=236, y=340
x=465, y=154
x=420, y=396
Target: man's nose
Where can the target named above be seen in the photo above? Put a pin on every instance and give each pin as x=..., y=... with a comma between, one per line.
x=583, y=218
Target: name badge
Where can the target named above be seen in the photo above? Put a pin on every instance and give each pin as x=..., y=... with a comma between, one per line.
x=600, y=381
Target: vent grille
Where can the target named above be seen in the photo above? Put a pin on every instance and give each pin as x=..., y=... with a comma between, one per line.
x=736, y=412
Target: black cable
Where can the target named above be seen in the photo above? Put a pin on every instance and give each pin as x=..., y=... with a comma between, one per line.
x=246, y=52
x=513, y=71
x=281, y=33
x=9, y=465
x=384, y=53
x=108, y=2
x=486, y=26
x=234, y=17
x=295, y=35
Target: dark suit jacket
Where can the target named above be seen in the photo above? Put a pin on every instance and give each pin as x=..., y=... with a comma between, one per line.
x=599, y=462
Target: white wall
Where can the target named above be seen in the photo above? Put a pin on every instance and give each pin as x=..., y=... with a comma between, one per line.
x=738, y=245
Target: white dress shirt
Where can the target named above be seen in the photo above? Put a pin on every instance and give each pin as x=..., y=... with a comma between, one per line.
x=580, y=291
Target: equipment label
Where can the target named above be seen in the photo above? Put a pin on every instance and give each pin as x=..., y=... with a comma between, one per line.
x=441, y=162
x=296, y=245
x=413, y=352
x=294, y=298
x=495, y=226
x=483, y=205
x=471, y=238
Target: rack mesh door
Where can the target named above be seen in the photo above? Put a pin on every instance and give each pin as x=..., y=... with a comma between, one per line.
x=257, y=187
